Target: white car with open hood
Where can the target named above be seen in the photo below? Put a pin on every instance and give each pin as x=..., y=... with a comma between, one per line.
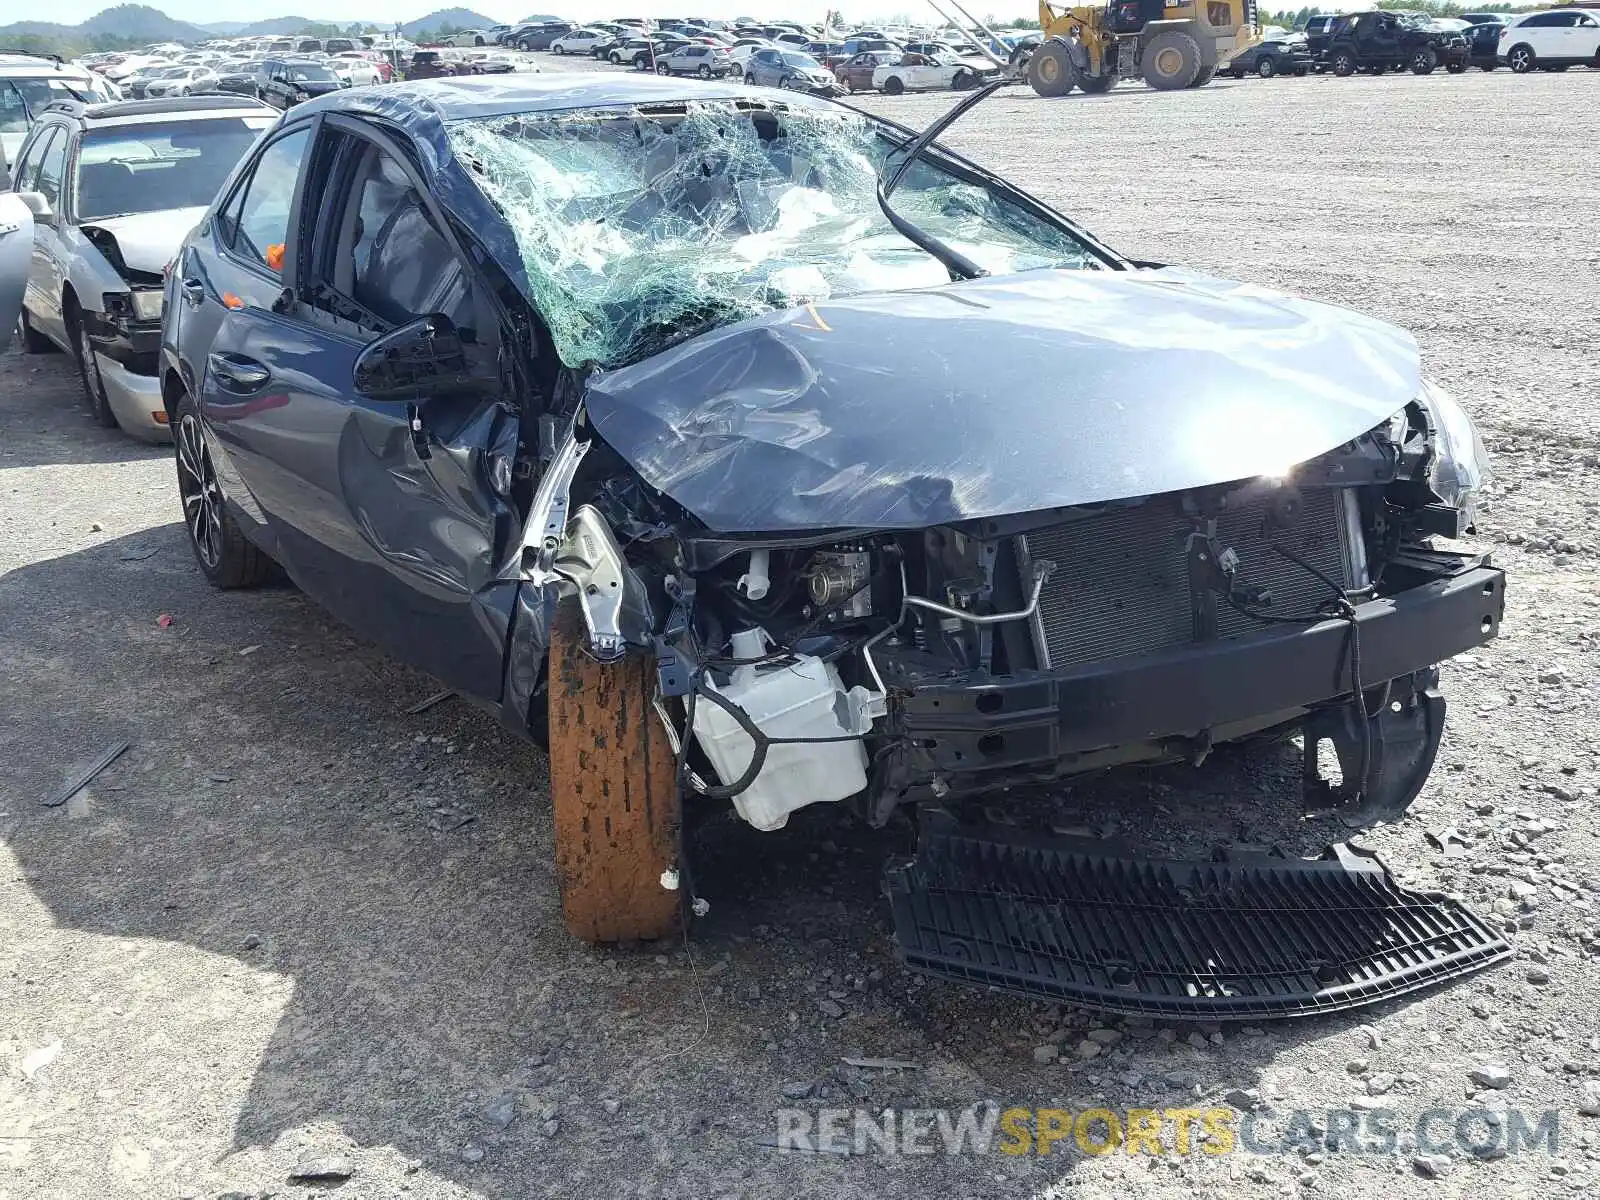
x=111, y=190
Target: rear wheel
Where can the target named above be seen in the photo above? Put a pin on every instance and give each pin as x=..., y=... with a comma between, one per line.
x=663, y=69
x=1344, y=63
x=613, y=786
x=1266, y=68
x=1521, y=59
x=226, y=556
x=1237, y=72
x=559, y=50
x=1095, y=85
x=1170, y=61
x=1455, y=68
x=1050, y=70
x=704, y=72
x=893, y=86
x=1205, y=77
x=34, y=342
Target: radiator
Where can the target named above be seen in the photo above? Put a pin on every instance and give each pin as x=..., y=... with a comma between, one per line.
x=1121, y=584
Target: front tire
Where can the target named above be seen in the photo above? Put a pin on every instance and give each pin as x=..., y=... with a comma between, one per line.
x=1265, y=68
x=227, y=558
x=704, y=72
x=1207, y=74
x=614, y=790
x=94, y=387
x=1521, y=59
x=1170, y=61
x=1455, y=68
x=1344, y=64
x=893, y=86
x=1051, y=71
x=1097, y=85
x=1424, y=61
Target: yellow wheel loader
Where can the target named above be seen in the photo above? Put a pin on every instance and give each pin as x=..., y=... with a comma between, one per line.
x=1170, y=44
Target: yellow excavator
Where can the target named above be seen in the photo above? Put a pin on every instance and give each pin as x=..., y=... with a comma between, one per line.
x=1171, y=44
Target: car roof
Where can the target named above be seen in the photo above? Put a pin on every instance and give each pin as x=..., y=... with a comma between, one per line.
x=129, y=111
x=17, y=65
x=491, y=96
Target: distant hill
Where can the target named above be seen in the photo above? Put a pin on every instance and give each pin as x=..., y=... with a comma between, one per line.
x=461, y=18
x=136, y=22
x=274, y=26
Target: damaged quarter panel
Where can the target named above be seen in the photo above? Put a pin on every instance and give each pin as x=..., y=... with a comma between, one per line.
x=998, y=396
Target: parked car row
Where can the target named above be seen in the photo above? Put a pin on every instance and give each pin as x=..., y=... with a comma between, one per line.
x=785, y=55
x=1373, y=41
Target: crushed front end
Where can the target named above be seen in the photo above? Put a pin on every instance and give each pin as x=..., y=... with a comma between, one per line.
x=896, y=667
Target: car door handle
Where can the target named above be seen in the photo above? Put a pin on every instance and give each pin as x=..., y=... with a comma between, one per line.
x=237, y=373
x=194, y=291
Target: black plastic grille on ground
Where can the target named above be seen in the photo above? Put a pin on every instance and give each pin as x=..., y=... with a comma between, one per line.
x=1253, y=937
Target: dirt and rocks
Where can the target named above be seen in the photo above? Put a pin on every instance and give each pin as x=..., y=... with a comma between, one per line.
x=298, y=939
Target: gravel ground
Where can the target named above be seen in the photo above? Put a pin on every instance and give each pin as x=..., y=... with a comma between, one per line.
x=294, y=922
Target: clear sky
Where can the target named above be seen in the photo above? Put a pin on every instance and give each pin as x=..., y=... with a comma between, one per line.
x=384, y=12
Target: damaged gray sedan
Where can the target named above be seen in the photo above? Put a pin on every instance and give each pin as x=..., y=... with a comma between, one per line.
x=753, y=452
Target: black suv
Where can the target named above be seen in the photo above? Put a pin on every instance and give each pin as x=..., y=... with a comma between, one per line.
x=1317, y=31
x=1380, y=41
x=288, y=81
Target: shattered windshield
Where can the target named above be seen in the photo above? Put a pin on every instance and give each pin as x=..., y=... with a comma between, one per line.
x=636, y=227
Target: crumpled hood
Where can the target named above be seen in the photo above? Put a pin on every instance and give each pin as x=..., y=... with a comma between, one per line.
x=149, y=241
x=998, y=396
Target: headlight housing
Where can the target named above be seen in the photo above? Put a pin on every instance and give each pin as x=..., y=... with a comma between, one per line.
x=1460, y=464
x=147, y=305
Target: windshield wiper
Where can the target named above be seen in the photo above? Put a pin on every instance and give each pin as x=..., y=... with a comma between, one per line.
x=955, y=262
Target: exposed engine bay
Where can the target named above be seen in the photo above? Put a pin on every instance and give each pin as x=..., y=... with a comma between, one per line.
x=880, y=667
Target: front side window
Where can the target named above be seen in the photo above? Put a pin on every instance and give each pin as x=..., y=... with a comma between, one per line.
x=399, y=265
x=52, y=166
x=152, y=168
x=27, y=173
x=260, y=230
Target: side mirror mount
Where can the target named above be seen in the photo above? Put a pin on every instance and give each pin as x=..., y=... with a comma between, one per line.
x=39, y=205
x=425, y=357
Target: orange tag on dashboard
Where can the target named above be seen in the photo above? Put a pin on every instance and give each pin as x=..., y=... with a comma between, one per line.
x=229, y=300
x=275, y=256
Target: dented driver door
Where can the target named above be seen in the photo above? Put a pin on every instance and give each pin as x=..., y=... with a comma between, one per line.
x=394, y=513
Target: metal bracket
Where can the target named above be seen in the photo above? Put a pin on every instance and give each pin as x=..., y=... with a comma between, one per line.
x=1405, y=736
x=547, y=520
x=616, y=608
